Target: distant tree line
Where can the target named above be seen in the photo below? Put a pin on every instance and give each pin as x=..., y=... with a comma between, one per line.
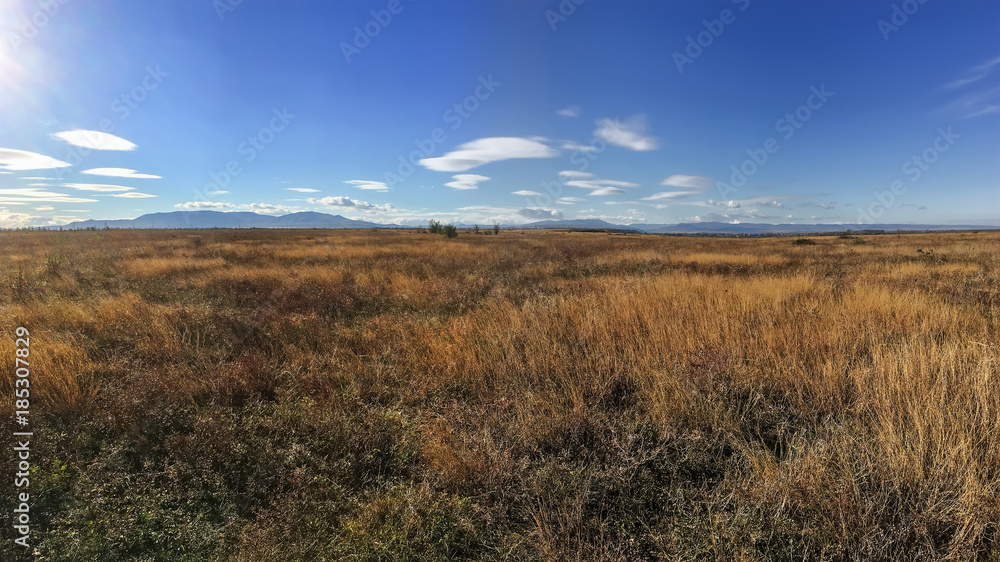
x=450, y=231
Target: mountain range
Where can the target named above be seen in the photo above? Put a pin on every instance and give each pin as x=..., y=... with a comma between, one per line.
x=310, y=219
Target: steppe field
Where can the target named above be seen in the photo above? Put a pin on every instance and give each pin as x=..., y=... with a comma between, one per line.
x=265, y=395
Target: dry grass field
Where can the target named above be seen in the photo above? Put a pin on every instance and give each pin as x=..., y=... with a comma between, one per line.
x=396, y=395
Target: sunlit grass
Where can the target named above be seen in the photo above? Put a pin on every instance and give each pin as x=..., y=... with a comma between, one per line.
x=539, y=395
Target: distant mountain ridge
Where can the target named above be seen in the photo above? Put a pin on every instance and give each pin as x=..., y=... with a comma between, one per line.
x=312, y=219
x=218, y=219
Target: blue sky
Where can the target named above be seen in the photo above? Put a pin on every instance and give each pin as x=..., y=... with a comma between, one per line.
x=404, y=110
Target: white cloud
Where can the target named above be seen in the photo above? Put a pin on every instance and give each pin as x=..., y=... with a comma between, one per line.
x=571, y=111
x=132, y=195
x=466, y=181
x=728, y=204
x=97, y=187
x=525, y=192
x=95, y=140
x=570, y=145
x=541, y=214
x=304, y=189
x=14, y=220
x=347, y=202
x=597, y=186
x=203, y=205
x=45, y=208
x=607, y=191
x=984, y=111
x=13, y=159
x=120, y=173
x=964, y=81
x=636, y=216
x=219, y=192
x=575, y=174
x=569, y=200
x=486, y=150
x=368, y=185
x=224, y=206
x=266, y=208
x=667, y=195
x=37, y=178
x=986, y=65
x=687, y=182
x=600, y=184
x=629, y=134
x=22, y=195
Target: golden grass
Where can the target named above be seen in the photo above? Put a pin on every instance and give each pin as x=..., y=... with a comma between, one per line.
x=538, y=395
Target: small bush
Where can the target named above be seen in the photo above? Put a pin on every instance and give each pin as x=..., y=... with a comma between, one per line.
x=804, y=242
x=449, y=231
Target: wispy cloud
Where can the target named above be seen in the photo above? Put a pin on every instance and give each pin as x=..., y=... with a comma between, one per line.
x=687, y=182
x=368, y=185
x=95, y=140
x=630, y=134
x=97, y=187
x=986, y=65
x=607, y=191
x=598, y=183
x=989, y=109
x=132, y=195
x=570, y=145
x=569, y=200
x=669, y=195
x=483, y=151
x=571, y=111
x=13, y=159
x=573, y=174
x=303, y=189
x=22, y=195
x=975, y=103
x=466, y=181
x=964, y=81
x=525, y=193
x=600, y=187
x=120, y=173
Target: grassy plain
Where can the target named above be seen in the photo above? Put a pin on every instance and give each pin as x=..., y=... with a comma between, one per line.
x=375, y=395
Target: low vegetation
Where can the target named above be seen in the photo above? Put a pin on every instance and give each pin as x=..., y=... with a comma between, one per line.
x=329, y=395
